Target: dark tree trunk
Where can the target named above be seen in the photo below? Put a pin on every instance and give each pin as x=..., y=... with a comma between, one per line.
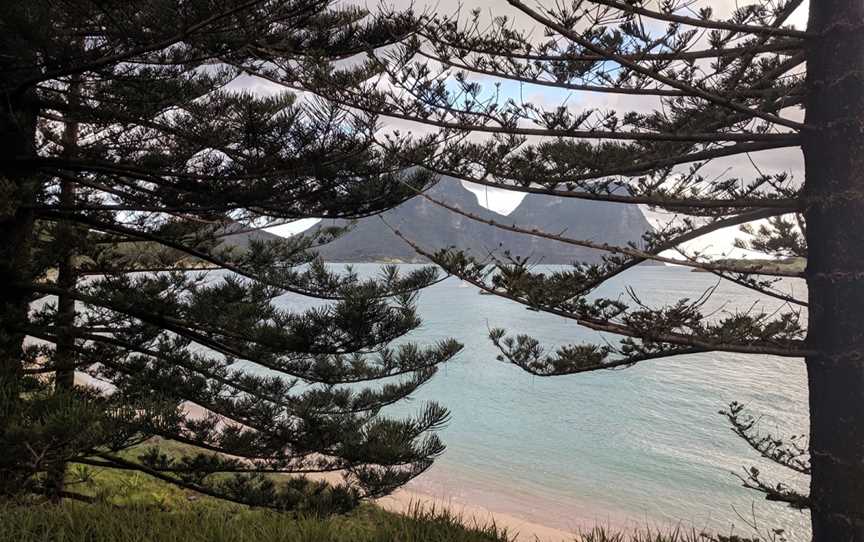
x=18, y=188
x=64, y=355
x=67, y=277
x=834, y=208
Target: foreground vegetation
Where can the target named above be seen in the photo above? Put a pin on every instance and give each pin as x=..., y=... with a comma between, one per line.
x=130, y=506
x=133, y=507
x=177, y=167
x=74, y=522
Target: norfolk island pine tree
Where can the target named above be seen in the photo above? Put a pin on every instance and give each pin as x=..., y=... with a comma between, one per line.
x=129, y=156
x=737, y=85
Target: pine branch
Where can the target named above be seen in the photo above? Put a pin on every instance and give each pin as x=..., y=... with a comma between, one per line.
x=773, y=205
x=684, y=87
x=789, y=348
x=774, y=492
x=777, y=46
x=786, y=453
x=638, y=168
x=601, y=89
x=84, y=67
x=220, y=263
x=365, y=102
x=706, y=23
x=743, y=280
x=627, y=251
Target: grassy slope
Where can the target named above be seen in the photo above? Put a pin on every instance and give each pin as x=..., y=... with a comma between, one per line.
x=103, y=523
x=133, y=507
x=75, y=522
x=136, y=508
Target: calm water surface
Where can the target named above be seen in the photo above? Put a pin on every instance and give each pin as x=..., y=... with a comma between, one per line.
x=643, y=445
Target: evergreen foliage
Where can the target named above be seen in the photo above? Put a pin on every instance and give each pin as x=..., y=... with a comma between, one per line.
x=131, y=145
x=697, y=89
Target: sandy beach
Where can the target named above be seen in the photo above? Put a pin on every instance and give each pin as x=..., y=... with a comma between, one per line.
x=526, y=531
x=403, y=500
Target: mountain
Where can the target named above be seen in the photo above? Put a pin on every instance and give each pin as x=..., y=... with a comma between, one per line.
x=433, y=227
x=244, y=238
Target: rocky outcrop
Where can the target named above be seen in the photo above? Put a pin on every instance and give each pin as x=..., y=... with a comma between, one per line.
x=434, y=227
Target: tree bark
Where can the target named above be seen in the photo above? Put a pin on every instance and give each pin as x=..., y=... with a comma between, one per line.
x=65, y=357
x=833, y=147
x=18, y=190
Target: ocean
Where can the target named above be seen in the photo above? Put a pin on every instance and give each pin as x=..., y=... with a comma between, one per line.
x=643, y=446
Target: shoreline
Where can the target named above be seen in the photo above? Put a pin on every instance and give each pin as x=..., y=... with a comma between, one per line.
x=435, y=494
x=486, y=504
x=403, y=500
x=533, y=511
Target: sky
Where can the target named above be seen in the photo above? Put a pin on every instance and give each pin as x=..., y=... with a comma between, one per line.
x=501, y=201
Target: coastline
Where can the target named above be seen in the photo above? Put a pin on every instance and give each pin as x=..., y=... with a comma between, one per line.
x=404, y=500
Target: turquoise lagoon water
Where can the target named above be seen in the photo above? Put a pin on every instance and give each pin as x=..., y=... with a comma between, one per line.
x=643, y=445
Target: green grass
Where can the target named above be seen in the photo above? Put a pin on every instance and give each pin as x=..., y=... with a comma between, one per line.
x=121, y=488
x=75, y=522
x=134, y=507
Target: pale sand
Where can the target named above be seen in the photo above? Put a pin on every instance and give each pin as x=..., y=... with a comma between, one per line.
x=526, y=531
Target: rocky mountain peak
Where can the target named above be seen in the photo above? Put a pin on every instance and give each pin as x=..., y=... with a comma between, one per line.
x=433, y=227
